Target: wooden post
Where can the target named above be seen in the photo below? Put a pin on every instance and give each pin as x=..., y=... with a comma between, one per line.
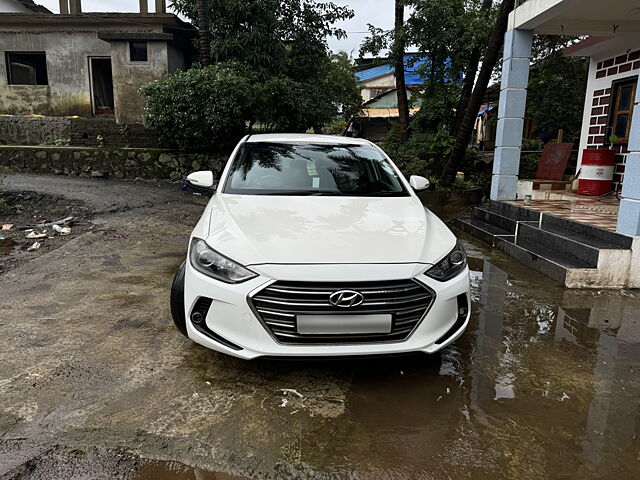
x=64, y=7
x=75, y=6
x=161, y=6
x=560, y=135
x=144, y=6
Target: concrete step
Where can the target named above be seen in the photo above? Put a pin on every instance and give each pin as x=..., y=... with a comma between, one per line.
x=587, y=234
x=481, y=230
x=575, y=255
x=538, y=258
x=557, y=246
x=513, y=212
x=491, y=217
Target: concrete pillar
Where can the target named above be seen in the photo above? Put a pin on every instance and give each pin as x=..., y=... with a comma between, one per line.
x=629, y=214
x=144, y=6
x=513, y=99
x=75, y=6
x=64, y=7
x=161, y=6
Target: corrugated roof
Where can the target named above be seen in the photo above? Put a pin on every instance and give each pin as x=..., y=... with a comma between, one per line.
x=411, y=64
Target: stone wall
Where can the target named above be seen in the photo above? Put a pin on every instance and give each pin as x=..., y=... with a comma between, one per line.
x=126, y=163
x=85, y=132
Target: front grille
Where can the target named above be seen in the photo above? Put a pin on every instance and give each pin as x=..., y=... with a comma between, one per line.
x=278, y=305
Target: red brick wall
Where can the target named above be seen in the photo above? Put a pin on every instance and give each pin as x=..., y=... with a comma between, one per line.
x=598, y=130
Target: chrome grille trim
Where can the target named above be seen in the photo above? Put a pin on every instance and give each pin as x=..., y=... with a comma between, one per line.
x=277, y=304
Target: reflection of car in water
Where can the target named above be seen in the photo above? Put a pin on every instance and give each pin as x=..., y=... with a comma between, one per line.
x=316, y=245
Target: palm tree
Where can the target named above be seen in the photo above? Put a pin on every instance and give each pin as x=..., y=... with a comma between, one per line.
x=491, y=56
x=398, y=49
x=204, y=36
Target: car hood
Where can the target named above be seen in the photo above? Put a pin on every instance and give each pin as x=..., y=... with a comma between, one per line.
x=266, y=229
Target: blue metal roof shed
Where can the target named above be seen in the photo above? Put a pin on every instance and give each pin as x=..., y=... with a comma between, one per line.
x=411, y=64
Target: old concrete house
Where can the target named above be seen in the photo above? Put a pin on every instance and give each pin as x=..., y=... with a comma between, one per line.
x=86, y=64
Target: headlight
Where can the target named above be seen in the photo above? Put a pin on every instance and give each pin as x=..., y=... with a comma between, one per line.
x=449, y=266
x=211, y=263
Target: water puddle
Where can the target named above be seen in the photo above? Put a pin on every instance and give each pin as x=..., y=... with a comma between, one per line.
x=170, y=470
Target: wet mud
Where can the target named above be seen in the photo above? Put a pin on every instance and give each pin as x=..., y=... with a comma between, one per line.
x=96, y=383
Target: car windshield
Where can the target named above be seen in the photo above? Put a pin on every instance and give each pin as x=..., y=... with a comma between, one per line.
x=312, y=169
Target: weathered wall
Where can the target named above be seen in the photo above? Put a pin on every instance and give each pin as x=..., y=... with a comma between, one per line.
x=385, y=81
x=129, y=76
x=16, y=130
x=68, y=92
x=126, y=163
x=33, y=131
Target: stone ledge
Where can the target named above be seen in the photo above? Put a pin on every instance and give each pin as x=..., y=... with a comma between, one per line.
x=124, y=163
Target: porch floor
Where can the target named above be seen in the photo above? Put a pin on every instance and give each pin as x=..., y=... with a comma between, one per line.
x=599, y=212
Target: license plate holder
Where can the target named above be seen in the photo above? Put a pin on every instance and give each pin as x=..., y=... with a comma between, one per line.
x=344, y=324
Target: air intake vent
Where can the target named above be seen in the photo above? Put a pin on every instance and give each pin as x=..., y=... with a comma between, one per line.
x=279, y=304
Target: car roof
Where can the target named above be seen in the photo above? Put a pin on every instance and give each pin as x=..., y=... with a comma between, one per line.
x=305, y=138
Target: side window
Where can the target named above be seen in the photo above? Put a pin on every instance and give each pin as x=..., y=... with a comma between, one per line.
x=138, y=51
x=27, y=68
x=623, y=97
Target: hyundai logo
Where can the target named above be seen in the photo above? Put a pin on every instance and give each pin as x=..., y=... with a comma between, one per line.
x=346, y=298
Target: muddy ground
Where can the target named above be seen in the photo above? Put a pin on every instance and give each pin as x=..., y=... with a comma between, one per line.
x=96, y=383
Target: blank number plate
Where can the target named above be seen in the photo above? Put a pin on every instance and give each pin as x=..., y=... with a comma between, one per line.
x=343, y=324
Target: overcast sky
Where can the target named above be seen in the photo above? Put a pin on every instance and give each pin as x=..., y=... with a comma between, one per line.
x=377, y=12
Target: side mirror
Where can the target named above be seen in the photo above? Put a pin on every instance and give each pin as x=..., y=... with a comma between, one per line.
x=418, y=183
x=202, y=180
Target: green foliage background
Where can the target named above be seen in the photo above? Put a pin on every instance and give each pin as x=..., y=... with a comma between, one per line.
x=272, y=72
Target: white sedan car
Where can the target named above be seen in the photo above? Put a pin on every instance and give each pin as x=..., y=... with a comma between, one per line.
x=316, y=245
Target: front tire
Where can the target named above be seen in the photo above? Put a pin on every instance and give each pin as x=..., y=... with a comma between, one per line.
x=177, y=300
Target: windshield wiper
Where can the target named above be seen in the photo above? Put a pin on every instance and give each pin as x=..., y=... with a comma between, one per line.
x=304, y=193
x=381, y=194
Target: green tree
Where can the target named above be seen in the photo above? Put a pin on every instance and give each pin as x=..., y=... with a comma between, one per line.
x=557, y=86
x=452, y=32
x=491, y=56
x=276, y=51
x=274, y=37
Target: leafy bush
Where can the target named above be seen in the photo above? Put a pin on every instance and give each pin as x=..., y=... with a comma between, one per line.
x=201, y=109
x=205, y=109
x=530, y=157
x=424, y=154
x=335, y=128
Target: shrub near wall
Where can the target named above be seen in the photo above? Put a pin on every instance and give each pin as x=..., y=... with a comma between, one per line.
x=124, y=163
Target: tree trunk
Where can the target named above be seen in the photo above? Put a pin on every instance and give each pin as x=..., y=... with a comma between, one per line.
x=204, y=35
x=398, y=63
x=491, y=55
x=470, y=76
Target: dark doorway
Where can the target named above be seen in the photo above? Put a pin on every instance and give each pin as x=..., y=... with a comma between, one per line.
x=101, y=86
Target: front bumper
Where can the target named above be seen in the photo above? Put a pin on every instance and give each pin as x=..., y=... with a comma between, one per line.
x=233, y=324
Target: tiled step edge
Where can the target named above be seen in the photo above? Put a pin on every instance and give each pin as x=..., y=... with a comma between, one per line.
x=577, y=255
x=508, y=225
x=481, y=230
x=615, y=240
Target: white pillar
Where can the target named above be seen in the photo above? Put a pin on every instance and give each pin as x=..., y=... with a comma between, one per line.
x=511, y=108
x=629, y=214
